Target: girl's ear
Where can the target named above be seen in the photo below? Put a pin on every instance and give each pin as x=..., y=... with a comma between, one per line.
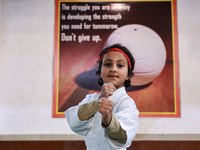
x=128, y=76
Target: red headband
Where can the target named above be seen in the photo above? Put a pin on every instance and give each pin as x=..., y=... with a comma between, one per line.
x=118, y=50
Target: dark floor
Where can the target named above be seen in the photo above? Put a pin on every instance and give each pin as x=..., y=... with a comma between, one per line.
x=79, y=145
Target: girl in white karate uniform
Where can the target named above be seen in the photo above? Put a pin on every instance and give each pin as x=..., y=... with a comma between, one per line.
x=109, y=120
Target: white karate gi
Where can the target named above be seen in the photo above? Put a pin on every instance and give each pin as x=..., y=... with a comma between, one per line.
x=125, y=112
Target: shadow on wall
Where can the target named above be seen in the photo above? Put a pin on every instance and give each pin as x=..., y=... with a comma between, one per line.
x=89, y=80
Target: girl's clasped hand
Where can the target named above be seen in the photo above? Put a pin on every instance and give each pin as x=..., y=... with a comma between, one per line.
x=105, y=106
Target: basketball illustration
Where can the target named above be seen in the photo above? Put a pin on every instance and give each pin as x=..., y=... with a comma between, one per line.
x=146, y=47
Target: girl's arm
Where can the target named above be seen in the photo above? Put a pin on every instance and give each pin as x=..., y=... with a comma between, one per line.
x=111, y=125
x=79, y=117
x=115, y=131
x=124, y=125
x=87, y=111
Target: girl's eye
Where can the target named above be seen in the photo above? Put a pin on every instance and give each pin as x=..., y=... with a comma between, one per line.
x=107, y=64
x=120, y=65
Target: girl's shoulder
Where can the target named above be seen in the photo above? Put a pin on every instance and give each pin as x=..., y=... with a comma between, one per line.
x=90, y=97
x=126, y=101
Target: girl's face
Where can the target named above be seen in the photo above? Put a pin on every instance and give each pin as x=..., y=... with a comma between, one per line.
x=114, y=69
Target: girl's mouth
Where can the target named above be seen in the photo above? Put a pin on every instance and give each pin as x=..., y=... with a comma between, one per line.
x=112, y=76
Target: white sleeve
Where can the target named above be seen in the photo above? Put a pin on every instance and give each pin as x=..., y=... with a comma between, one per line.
x=127, y=115
x=71, y=114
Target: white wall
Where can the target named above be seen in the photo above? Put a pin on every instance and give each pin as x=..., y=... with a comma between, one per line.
x=26, y=75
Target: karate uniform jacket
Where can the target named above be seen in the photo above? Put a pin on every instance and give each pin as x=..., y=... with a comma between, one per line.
x=96, y=136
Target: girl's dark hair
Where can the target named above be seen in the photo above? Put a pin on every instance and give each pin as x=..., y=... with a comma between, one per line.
x=127, y=83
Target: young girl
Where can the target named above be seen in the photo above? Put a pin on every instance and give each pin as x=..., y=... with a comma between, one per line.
x=109, y=120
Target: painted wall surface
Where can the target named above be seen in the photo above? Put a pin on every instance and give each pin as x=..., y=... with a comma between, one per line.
x=26, y=75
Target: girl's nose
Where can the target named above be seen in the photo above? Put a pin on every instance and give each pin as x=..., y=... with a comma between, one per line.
x=113, y=68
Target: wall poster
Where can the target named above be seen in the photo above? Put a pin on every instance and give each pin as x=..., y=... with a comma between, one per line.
x=147, y=27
